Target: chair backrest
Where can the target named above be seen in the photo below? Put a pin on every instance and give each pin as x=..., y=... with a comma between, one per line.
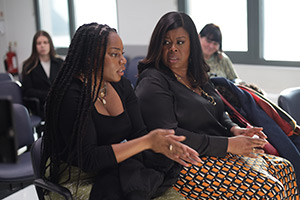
x=6, y=77
x=8, y=144
x=12, y=89
x=36, y=153
x=132, y=70
x=289, y=100
x=22, y=124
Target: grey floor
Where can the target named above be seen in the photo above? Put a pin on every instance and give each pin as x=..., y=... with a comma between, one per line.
x=27, y=193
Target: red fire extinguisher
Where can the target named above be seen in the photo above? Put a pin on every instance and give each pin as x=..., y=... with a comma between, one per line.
x=11, y=62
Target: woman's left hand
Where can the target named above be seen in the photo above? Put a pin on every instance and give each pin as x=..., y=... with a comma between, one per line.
x=167, y=143
x=180, y=152
x=236, y=130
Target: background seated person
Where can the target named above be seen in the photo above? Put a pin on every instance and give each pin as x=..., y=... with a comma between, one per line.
x=211, y=43
x=219, y=63
x=40, y=69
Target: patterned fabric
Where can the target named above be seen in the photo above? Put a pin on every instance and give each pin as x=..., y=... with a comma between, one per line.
x=170, y=194
x=287, y=147
x=238, y=177
x=84, y=186
x=232, y=177
x=221, y=67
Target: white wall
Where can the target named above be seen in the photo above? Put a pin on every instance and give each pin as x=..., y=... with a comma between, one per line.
x=271, y=79
x=19, y=22
x=137, y=18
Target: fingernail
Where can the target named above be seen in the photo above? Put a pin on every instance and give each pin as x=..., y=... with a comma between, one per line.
x=200, y=163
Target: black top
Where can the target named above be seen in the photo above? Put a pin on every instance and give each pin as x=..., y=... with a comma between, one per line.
x=129, y=178
x=102, y=130
x=37, y=84
x=166, y=103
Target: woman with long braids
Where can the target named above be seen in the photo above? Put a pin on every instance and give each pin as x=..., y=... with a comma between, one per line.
x=94, y=134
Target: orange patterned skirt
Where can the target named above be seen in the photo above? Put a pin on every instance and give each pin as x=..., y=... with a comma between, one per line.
x=239, y=177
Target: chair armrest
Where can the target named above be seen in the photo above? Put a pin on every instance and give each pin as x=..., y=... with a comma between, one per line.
x=52, y=187
x=32, y=104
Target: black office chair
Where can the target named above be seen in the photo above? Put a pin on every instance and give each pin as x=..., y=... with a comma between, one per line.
x=6, y=77
x=132, y=70
x=289, y=100
x=13, y=89
x=8, y=146
x=39, y=183
x=15, y=176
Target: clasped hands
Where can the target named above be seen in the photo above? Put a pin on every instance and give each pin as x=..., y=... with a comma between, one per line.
x=247, y=141
x=166, y=142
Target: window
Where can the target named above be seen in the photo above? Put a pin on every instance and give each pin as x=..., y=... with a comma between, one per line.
x=268, y=27
x=232, y=20
x=61, y=18
x=94, y=11
x=281, y=30
x=54, y=18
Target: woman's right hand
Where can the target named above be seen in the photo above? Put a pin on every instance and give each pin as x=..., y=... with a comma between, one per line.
x=166, y=142
x=245, y=145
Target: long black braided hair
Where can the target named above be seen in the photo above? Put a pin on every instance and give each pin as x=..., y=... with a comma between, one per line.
x=84, y=59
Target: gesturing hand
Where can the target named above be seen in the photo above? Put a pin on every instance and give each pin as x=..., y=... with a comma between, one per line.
x=248, y=131
x=244, y=145
x=166, y=142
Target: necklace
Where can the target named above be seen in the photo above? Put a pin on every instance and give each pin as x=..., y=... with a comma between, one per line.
x=102, y=94
x=202, y=92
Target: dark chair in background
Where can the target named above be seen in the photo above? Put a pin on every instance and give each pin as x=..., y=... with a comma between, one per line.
x=289, y=100
x=8, y=144
x=131, y=71
x=15, y=176
x=39, y=183
x=13, y=90
x=6, y=77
